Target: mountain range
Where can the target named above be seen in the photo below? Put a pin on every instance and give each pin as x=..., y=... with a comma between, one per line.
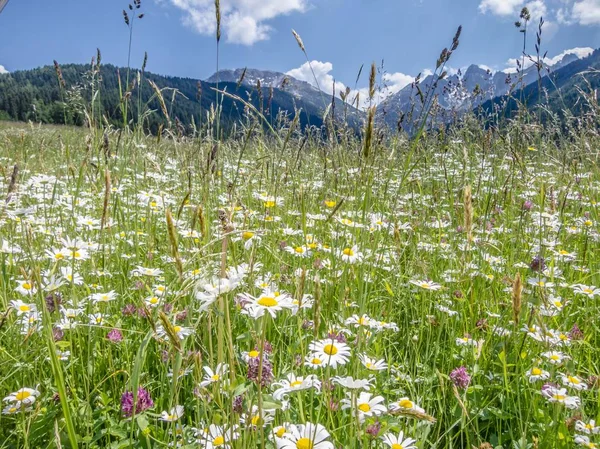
x=35, y=94
x=466, y=90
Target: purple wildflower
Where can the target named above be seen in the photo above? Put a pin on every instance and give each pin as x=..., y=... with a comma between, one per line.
x=129, y=310
x=460, y=377
x=53, y=300
x=374, y=429
x=144, y=402
x=114, y=336
x=253, y=371
x=576, y=333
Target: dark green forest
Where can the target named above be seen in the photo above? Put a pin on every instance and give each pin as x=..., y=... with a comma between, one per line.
x=40, y=96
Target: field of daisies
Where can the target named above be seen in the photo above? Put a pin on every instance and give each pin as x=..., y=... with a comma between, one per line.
x=296, y=295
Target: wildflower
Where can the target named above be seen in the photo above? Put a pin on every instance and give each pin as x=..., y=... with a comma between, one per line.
x=24, y=397
x=576, y=333
x=373, y=364
x=304, y=436
x=587, y=428
x=53, y=301
x=398, y=441
x=373, y=429
x=25, y=288
x=555, y=357
x=152, y=301
x=426, y=285
x=352, y=384
x=294, y=383
x=357, y=321
x=584, y=441
x=559, y=395
x=254, y=371
x=70, y=276
x=535, y=374
x=365, y=404
x=269, y=301
x=151, y=272
x=331, y=352
x=298, y=251
x=351, y=255
x=460, y=377
x=96, y=319
x=214, y=376
x=180, y=331
x=23, y=308
x=588, y=290
x=466, y=341
x=217, y=437
x=574, y=382
x=540, y=282
x=405, y=405
x=173, y=415
x=103, y=297
x=256, y=419
x=114, y=336
x=144, y=402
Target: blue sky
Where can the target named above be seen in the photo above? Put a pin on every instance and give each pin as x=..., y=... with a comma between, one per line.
x=340, y=35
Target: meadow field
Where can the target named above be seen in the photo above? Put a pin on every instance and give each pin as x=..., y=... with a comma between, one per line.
x=280, y=290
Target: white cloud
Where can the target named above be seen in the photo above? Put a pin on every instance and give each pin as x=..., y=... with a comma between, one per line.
x=586, y=12
x=500, y=7
x=2, y=69
x=242, y=21
x=396, y=81
x=580, y=52
x=323, y=73
x=322, y=77
x=505, y=8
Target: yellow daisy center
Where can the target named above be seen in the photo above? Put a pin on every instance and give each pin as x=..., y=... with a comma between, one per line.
x=215, y=377
x=536, y=372
x=253, y=354
x=24, y=308
x=295, y=383
x=299, y=249
x=270, y=203
x=267, y=301
x=219, y=441
x=406, y=403
x=256, y=420
x=330, y=350
x=247, y=235
x=365, y=408
x=348, y=252
x=304, y=443
x=330, y=203
x=397, y=446
x=316, y=361
x=574, y=380
x=559, y=397
x=280, y=432
x=26, y=285
x=22, y=395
